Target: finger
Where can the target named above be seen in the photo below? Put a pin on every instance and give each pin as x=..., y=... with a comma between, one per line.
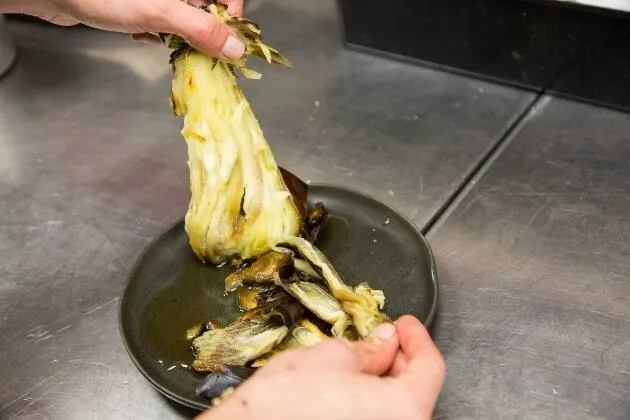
x=204, y=32
x=374, y=355
x=399, y=365
x=235, y=7
x=425, y=371
x=414, y=338
x=330, y=354
x=400, y=362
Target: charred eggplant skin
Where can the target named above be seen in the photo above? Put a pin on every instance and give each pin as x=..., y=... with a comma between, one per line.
x=261, y=271
x=215, y=383
x=315, y=222
x=297, y=188
x=257, y=296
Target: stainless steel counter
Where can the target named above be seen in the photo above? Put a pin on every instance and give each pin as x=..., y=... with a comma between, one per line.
x=92, y=167
x=534, y=265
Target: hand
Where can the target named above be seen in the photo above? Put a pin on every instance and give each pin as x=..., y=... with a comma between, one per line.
x=336, y=380
x=143, y=18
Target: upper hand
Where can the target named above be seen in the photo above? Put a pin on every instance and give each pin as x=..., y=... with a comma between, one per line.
x=397, y=377
x=141, y=17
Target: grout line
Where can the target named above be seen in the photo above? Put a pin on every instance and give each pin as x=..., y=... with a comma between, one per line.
x=482, y=166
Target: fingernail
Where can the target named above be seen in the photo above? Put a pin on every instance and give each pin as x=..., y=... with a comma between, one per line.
x=233, y=48
x=384, y=332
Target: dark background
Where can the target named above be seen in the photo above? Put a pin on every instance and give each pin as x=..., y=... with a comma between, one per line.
x=547, y=46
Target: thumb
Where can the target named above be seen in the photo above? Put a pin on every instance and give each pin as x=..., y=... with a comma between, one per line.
x=377, y=352
x=204, y=31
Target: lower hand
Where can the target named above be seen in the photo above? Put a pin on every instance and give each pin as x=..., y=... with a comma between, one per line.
x=396, y=374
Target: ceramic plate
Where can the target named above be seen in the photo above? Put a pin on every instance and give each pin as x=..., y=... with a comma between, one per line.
x=169, y=289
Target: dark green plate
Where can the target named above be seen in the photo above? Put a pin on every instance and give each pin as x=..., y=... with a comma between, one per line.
x=169, y=289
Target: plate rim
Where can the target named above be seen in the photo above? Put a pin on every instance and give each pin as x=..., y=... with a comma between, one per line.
x=428, y=322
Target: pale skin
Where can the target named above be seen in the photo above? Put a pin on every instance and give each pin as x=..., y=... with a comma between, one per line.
x=395, y=377
x=397, y=373
x=141, y=18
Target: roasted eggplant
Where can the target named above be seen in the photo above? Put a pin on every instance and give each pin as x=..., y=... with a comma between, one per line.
x=252, y=297
x=247, y=211
x=315, y=220
x=305, y=334
x=216, y=383
x=255, y=334
x=261, y=270
x=361, y=303
x=321, y=303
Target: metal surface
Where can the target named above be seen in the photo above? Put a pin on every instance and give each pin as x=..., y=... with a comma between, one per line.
x=7, y=48
x=92, y=167
x=534, y=270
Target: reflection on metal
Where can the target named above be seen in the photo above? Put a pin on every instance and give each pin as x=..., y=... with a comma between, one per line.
x=534, y=273
x=7, y=47
x=98, y=168
x=622, y=5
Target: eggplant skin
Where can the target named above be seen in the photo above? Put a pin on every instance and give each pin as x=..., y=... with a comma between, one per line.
x=262, y=270
x=257, y=296
x=216, y=383
x=297, y=188
x=315, y=222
